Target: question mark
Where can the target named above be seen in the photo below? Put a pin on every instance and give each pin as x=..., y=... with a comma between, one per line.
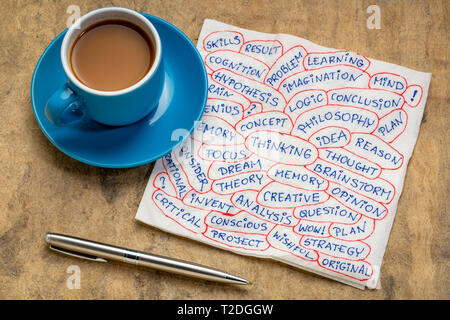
x=163, y=180
x=251, y=108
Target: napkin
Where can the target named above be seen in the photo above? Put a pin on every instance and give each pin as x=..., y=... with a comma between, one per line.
x=300, y=155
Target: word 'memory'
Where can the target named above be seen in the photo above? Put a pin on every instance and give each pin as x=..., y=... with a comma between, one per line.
x=297, y=176
x=215, y=132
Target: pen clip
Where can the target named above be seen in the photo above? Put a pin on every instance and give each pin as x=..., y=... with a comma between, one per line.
x=77, y=254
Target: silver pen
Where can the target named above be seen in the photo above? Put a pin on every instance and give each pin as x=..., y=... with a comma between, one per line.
x=101, y=252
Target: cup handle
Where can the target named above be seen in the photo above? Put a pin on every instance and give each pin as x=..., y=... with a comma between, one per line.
x=65, y=107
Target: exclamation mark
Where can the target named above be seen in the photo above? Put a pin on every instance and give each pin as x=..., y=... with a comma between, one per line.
x=414, y=94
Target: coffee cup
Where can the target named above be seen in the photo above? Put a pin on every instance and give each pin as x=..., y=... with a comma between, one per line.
x=115, y=106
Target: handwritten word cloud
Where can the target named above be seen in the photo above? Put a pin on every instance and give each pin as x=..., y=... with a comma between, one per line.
x=300, y=155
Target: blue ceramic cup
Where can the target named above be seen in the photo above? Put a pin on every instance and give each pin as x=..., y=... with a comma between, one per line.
x=76, y=101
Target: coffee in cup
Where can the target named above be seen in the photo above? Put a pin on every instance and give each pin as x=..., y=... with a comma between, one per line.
x=111, y=55
x=112, y=58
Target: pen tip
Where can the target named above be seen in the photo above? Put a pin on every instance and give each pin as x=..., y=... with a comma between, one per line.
x=237, y=280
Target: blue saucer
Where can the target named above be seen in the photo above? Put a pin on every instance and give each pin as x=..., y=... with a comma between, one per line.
x=182, y=103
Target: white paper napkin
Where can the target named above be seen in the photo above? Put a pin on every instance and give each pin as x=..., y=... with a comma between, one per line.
x=300, y=156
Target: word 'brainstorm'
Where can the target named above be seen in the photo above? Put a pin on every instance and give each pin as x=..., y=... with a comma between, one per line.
x=289, y=155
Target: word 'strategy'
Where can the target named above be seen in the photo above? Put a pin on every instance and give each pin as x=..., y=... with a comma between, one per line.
x=300, y=154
